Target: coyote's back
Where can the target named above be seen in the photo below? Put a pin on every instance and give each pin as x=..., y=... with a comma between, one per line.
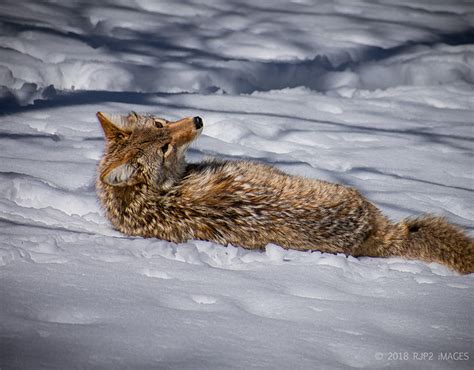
x=148, y=190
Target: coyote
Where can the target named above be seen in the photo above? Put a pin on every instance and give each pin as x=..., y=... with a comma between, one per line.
x=147, y=189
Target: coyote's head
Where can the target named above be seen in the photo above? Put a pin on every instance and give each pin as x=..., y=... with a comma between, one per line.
x=145, y=149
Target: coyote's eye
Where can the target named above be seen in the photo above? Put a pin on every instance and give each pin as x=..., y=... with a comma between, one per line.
x=159, y=122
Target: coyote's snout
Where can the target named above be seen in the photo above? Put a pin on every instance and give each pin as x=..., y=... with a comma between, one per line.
x=148, y=190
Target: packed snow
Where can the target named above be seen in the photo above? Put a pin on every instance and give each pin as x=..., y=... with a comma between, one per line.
x=378, y=95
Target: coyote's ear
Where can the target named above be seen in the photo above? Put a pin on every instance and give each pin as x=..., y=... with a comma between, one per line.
x=132, y=118
x=111, y=125
x=122, y=175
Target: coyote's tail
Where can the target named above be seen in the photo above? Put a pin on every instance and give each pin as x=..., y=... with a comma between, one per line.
x=432, y=239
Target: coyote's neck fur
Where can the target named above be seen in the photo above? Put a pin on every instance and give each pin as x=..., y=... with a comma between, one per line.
x=148, y=190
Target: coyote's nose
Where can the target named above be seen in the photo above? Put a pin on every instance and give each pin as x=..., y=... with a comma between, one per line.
x=197, y=122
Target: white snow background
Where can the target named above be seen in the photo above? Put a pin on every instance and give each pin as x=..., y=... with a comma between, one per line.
x=374, y=94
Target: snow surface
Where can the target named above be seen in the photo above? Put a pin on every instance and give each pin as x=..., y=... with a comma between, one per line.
x=374, y=94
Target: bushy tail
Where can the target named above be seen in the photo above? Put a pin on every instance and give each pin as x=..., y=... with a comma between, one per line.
x=432, y=239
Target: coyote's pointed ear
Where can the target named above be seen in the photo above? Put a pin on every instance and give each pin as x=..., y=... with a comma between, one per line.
x=111, y=129
x=122, y=175
x=132, y=118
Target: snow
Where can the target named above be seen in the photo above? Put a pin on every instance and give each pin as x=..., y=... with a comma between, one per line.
x=376, y=95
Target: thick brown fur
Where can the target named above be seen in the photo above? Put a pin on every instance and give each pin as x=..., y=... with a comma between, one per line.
x=148, y=190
